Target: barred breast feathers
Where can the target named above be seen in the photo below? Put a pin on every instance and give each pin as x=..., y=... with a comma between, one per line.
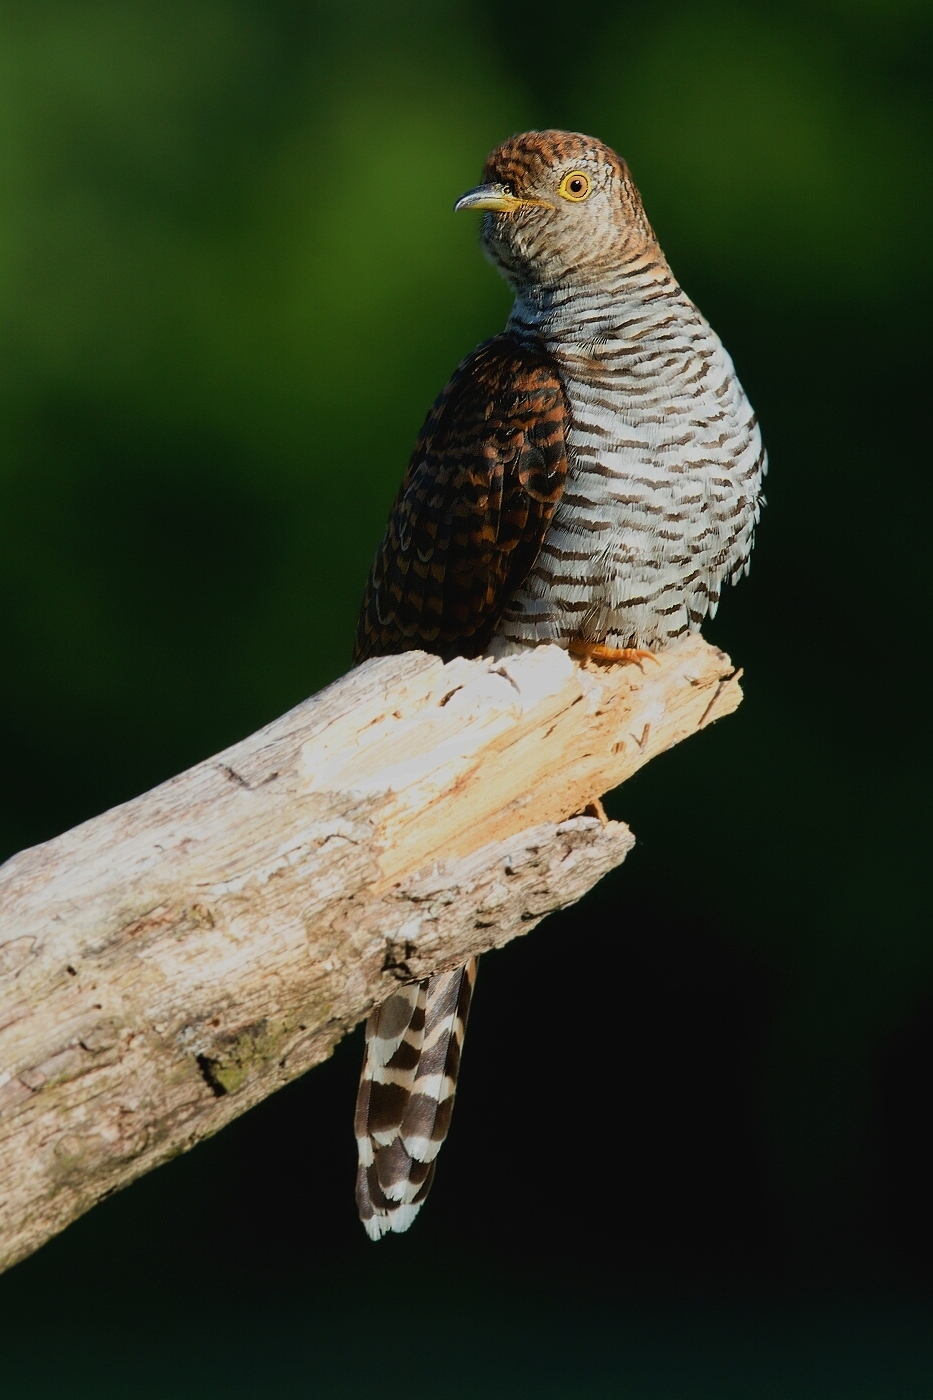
x=665, y=465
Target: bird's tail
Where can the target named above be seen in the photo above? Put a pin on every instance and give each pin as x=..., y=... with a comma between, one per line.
x=413, y=1045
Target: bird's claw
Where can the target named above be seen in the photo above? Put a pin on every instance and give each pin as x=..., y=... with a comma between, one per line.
x=609, y=656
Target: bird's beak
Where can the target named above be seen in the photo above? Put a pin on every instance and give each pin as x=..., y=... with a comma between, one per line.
x=494, y=197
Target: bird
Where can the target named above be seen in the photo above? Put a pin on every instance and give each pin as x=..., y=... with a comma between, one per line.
x=590, y=477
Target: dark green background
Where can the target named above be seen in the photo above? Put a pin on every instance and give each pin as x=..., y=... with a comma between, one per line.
x=230, y=285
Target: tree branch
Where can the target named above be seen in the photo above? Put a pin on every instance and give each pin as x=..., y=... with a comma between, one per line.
x=172, y=962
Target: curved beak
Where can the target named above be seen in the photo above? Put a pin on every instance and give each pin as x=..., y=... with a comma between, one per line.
x=494, y=197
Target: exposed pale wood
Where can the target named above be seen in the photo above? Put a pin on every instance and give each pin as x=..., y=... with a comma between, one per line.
x=168, y=964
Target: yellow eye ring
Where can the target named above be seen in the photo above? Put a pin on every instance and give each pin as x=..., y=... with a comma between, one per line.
x=575, y=186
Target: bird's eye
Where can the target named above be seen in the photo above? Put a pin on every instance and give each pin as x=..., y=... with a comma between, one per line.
x=574, y=186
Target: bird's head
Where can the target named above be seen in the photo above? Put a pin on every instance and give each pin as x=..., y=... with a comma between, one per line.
x=561, y=208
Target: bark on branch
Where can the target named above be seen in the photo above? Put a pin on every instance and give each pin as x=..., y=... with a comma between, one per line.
x=170, y=963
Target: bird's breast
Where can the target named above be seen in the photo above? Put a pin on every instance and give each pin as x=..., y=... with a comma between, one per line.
x=663, y=484
x=659, y=422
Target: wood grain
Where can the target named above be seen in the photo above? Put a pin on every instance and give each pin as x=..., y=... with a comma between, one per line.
x=170, y=963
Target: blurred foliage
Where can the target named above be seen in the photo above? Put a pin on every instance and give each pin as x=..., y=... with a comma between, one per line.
x=229, y=278
x=230, y=286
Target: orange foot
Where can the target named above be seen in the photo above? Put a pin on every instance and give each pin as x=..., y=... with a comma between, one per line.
x=595, y=651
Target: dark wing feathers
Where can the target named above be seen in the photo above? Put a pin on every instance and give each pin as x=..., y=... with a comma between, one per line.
x=487, y=471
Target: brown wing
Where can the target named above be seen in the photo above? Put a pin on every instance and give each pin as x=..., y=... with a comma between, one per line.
x=487, y=471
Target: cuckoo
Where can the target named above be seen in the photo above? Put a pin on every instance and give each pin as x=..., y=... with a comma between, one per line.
x=590, y=477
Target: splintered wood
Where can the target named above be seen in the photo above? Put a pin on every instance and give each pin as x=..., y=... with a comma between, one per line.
x=172, y=962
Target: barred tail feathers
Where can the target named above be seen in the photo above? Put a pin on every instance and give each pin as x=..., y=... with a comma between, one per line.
x=413, y=1046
